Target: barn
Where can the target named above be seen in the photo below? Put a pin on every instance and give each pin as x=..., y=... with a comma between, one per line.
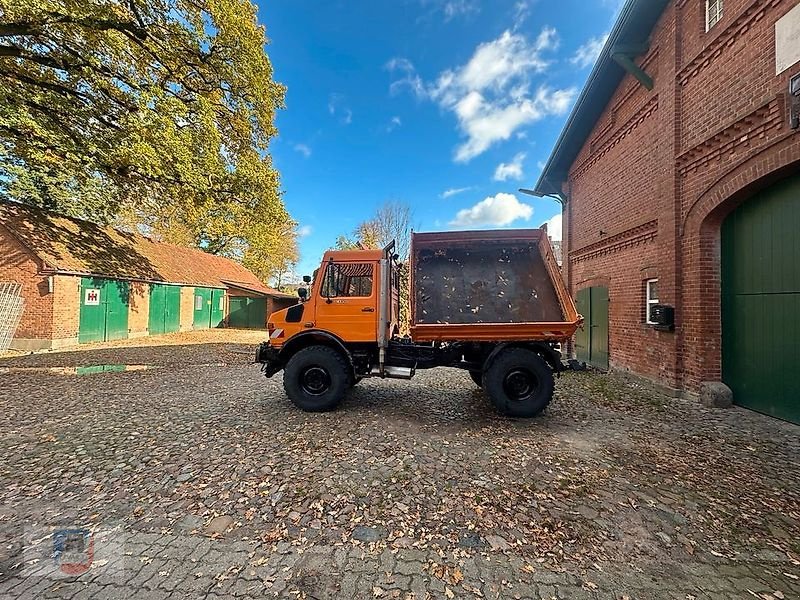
x=679, y=175
x=79, y=282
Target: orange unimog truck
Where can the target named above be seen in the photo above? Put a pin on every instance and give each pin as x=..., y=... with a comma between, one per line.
x=492, y=303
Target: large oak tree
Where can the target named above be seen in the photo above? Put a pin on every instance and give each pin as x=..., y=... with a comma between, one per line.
x=155, y=113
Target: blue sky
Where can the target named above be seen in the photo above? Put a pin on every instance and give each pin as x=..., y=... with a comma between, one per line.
x=447, y=105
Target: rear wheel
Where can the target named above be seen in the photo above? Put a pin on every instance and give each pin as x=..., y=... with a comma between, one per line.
x=519, y=382
x=316, y=378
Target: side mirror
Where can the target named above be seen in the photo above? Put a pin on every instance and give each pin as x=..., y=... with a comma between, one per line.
x=306, y=278
x=302, y=293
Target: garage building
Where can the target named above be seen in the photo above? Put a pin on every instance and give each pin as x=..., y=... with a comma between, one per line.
x=81, y=282
x=679, y=174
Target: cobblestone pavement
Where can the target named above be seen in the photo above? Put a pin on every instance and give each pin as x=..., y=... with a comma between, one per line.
x=198, y=478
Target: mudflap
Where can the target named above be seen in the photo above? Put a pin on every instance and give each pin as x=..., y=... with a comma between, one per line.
x=269, y=358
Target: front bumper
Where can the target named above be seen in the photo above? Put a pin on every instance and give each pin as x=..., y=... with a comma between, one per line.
x=269, y=358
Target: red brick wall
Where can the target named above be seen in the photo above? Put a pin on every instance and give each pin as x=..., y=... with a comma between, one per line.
x=66, y=309
x=661, y=170
x=18, y=265
x=139, y=309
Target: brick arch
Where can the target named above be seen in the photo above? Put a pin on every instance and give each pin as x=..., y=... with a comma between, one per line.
x=701, y=342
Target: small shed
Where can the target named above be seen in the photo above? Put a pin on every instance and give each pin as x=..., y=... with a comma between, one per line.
x=82, y=282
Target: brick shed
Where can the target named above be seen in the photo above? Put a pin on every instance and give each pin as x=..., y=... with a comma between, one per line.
x=82, y=282
x=679, y=174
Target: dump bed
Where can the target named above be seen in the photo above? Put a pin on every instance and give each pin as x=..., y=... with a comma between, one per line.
x=488, y=286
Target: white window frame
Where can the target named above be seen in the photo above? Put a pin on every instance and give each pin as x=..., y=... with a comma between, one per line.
x=198, y=302
x=649, y=300
x=713, y=13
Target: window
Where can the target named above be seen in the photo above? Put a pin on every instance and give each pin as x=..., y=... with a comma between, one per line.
x=713, y=13
x=347, y=280
x=651, y=295
x=198, y=303
x=222, y=303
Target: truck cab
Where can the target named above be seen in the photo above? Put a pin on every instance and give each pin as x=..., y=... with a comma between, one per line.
x=345, y=326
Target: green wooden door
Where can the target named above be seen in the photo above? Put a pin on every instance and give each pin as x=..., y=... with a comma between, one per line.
x=257, y=313
x=761, y=301
x=165, y=309
x=217, y=307
x=591, y=342
x=92, y=327
x=237, y=315
x=157, y=310
x=247, y=313
x=202, y=308
x=583, y=304
x=104, y=310
x=172, y=308
x=117, y=303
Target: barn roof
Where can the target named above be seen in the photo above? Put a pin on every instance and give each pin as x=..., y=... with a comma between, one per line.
x=73, y=246
x=634, y=24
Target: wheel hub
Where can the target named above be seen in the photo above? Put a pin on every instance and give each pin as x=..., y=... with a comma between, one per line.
x=519, y=384
x=315, y=381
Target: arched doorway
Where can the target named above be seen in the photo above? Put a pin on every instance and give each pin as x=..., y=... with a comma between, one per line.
x=760, y=277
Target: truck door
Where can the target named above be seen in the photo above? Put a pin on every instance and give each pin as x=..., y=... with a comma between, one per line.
x=347, y=302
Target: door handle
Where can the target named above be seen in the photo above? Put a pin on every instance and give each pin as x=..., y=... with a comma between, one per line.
x=367, y=309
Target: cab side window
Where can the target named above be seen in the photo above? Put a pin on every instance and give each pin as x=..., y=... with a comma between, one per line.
x=347, y=280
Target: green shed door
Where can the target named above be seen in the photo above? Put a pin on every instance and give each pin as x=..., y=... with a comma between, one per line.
x=257, y=313
x=761, y=301
x=104, y=310
x=591, y=342
x=157, y=310
x=247, y=313
x=217, y=307
x=172, y=308
x=92, y=326
x=237, y=317
x=202, y=308
x=117, y=309
x=165, y=309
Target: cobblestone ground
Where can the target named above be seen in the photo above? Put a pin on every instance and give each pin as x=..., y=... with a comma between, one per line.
x=198, y=478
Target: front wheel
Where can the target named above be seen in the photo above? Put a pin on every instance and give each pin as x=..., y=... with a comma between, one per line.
x=316, y=379
x=519, y=382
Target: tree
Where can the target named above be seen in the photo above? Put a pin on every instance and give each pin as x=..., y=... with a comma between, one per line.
x=158, y=112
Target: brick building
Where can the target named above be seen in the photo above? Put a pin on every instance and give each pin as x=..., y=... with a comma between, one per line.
x=81, y=282
x=679, y=174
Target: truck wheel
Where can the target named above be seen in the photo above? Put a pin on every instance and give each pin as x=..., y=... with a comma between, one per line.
x=519, y=382
x=477, y=377
x=316, y=378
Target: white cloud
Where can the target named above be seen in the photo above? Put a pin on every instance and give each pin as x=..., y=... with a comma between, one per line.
x=303, y=149
x=498, y=210
x=304, y=231
x=394, y=123
x=554, y=227
x=454, y=191
x=587, y=54
x=337, y=107
x=512, y=170
x=455, y=8
x=491, y=95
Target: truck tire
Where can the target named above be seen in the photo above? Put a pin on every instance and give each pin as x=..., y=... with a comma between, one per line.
x=316, y=379
x=519, y=382
x=477, y=377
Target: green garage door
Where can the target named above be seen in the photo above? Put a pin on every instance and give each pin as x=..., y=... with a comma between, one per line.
x=761, y=301
x=209, y=307
x=165, y=309
x=247, y=313
x=591, y=341
x=104, y=310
